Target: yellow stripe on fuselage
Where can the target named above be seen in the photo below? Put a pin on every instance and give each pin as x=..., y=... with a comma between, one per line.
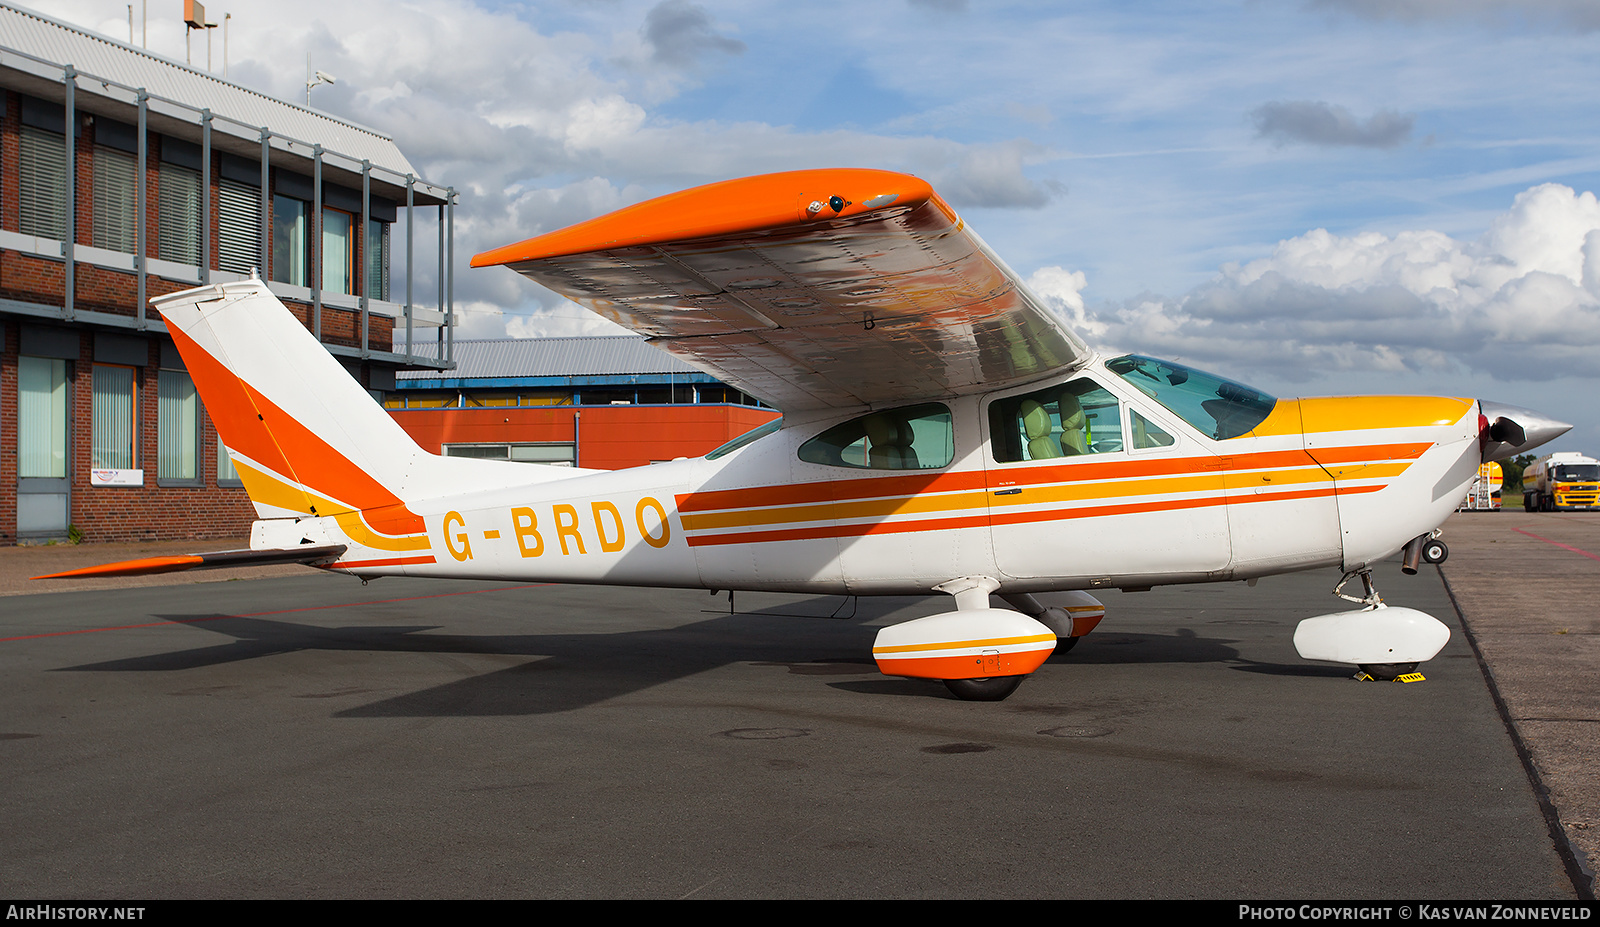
x=1031, y=495
x=269, y=489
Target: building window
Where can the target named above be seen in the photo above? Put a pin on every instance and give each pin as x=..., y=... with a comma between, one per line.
x=42, y=193
x=552, y=455
x=226, y=474
x=377, y=259
x=114, y=199
x=41, y=417
x=179, y=232
x=291, y=240
x=113, y=408
x=338, y=250
x=238, y=226
x=177, y=427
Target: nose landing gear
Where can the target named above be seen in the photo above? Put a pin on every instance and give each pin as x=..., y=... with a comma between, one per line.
x=1385, y=642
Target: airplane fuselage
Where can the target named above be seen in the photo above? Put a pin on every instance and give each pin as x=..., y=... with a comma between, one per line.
x=1081, y=481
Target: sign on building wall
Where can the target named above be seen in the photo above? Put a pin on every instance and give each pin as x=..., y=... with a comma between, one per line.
x=107, y=477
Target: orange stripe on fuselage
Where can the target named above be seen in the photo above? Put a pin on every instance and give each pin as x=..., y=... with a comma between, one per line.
x=820, y=532
x=831, y=491
x=392, y=561
x=930, y=494
x=904, y=486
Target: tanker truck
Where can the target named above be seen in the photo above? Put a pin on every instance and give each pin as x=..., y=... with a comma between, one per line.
x=1484, y=493
x=1562, y=482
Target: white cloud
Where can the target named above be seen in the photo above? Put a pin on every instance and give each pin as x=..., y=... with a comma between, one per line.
x=992, y=176
x=594, y=124
x=1522, y=302
x=1062, y=291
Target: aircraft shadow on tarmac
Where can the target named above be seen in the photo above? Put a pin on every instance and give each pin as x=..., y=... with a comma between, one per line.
x=567, y=671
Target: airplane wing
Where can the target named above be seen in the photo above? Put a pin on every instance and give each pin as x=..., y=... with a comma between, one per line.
x=809, y=289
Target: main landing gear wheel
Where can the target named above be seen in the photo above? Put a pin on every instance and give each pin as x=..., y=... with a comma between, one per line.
x=1064, y=644
x=1388, y=672
x=991, y=689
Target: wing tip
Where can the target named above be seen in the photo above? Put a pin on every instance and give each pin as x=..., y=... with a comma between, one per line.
x=727, y=207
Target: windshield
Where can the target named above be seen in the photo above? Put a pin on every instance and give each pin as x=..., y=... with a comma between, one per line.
x=754, y=434
x=1218, y=408
x=1568, y=473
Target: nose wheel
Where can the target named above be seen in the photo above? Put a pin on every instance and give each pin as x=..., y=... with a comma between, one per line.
x=1387, y=672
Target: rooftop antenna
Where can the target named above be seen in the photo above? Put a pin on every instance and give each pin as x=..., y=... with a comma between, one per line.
x=225, y=18
x=194, y=17
x=321, y=77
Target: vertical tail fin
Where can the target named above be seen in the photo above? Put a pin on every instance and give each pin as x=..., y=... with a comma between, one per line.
x=306, y=438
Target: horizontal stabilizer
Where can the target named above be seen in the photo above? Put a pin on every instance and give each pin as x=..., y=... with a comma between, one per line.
x=214, y=560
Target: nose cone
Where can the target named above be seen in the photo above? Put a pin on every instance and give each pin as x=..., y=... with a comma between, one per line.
x=1512, y=431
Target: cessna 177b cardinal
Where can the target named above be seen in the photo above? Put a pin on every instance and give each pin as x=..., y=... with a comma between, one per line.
x=942, y=431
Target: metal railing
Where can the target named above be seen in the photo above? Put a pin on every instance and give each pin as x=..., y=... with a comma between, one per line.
x=204, y=118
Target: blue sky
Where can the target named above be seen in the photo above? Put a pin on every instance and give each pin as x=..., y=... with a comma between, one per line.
x=1159, y=171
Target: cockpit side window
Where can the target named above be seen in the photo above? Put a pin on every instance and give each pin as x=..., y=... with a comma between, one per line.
x=1219, y=409
x=1067, y=420
x=1147, y=434
x=913, y=438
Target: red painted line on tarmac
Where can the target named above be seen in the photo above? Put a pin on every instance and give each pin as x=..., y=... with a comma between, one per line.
x=284, y=611
x=1558, y=544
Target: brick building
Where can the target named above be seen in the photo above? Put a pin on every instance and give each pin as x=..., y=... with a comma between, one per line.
x=123, y=176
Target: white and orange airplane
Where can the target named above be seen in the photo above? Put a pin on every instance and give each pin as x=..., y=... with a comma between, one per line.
x=942, y=431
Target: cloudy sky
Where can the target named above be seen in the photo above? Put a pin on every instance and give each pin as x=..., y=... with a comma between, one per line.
x=1312, y=196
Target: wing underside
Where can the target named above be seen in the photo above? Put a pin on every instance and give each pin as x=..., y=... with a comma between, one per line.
x=812, y=289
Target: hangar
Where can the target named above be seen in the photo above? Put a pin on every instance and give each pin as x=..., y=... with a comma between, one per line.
x=605, y=402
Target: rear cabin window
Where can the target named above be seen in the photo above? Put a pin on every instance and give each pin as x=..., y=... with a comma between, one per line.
x=913, y=438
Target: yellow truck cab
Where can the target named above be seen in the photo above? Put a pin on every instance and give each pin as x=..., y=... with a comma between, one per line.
x=1562, y=482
